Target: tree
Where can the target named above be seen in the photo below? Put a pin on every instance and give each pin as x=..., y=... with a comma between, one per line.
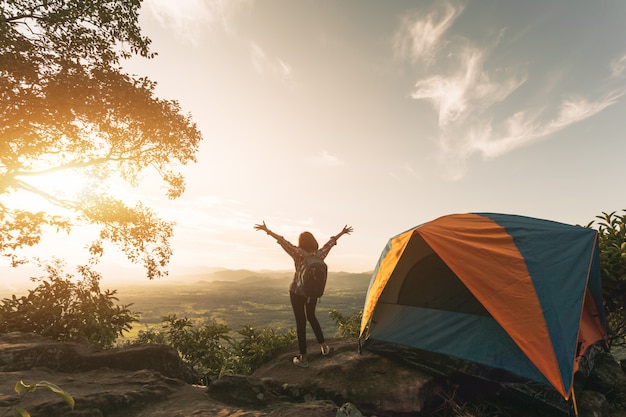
x=67, y=105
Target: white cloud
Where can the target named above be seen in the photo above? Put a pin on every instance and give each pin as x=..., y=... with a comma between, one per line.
x=618, y=67
x=473, y=97
x=325, y=158
x=491, y=139
x=408, y=169
x=405, y=171
x=285, y=71
x=525, y=127
x=189, y=19
x=420, y=35
x=576, y=109
x=470, y=89
x=258, y=58
x=274, y=67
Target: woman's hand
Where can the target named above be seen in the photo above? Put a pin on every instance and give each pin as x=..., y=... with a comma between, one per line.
x=262, y=227
x=346, y=230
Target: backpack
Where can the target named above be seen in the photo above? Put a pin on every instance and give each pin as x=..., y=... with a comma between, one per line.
x=311, y=280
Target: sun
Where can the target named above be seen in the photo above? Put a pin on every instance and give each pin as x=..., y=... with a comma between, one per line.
x=46, y=192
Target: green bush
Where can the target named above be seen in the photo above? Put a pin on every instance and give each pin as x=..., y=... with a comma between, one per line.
x=612, y=244
x=68, y=310
x=348, y=326
x=259, y=345
x=212, y=351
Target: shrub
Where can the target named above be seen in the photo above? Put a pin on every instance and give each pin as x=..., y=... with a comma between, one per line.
x=212, y=351
x=68, y=310
x=348, y=326
x=204, y=347
x=612, y=245
x=259, y=345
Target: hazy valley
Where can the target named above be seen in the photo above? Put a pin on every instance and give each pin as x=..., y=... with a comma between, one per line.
x=239, y=297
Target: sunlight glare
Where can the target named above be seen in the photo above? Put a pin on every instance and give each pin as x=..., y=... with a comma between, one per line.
x=68, y=185
x=71, y=185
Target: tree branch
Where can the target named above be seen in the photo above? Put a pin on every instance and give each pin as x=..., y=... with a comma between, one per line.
x=67, y=204
x=76, y=164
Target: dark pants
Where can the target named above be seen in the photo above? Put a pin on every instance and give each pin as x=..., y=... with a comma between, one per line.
x=304, y=310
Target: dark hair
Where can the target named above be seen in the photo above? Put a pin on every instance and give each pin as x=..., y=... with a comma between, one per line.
x=307, y=242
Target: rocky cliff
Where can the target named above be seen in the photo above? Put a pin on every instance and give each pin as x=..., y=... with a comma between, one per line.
x=151, y=380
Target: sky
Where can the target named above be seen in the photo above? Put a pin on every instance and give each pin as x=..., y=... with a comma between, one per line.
x=382, y=116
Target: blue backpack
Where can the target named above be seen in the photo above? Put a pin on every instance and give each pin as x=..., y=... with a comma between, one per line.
x=311, y=280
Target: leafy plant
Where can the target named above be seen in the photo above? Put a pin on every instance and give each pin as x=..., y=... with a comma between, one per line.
x=348, y=326
x=151, y=336
x=205, y=347
x=612, y=244
x=259, y=345
x=22, y=389
x=68, y=310
x=211, y=349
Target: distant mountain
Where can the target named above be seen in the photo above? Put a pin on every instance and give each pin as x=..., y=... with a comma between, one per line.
x=349, y=280
x=231, y=275
x=336, y=279
x=15, y=281
x=239, y=275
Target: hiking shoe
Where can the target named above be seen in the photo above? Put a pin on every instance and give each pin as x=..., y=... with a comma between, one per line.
x=325, y=349
x=297, y=360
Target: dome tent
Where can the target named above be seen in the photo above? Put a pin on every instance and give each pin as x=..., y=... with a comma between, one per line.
x=509, y=292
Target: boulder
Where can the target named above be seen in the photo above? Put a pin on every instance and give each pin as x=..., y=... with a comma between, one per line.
x=247, y=391
x=592, y=404
x=373, y=383
x=608, y=378
x=102, y=382
x=348, y=410
x=23, y=351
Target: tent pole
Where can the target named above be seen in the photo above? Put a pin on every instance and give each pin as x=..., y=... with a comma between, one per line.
x=574, y=402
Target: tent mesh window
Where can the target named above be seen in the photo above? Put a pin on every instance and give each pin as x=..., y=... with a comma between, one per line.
x=430, y=283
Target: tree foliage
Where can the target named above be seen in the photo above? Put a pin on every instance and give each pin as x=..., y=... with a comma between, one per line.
x=66, y=309
x=67, y=105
